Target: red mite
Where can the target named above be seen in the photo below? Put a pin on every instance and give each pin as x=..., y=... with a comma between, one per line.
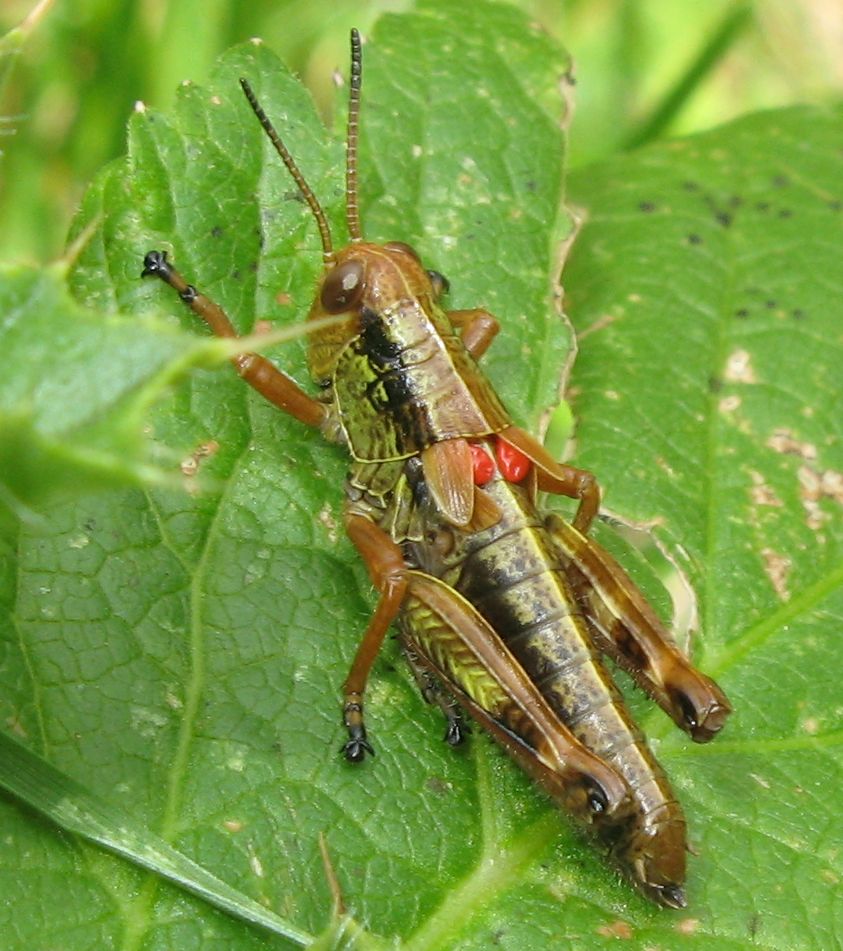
x=513, y=465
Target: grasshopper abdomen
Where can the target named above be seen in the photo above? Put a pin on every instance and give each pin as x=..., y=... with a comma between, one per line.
x=513, y=574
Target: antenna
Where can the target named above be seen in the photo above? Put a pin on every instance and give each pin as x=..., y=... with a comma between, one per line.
x=322, y=222
x=352, y=211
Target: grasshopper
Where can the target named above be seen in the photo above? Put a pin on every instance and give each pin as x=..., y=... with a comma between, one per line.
x=501, y=611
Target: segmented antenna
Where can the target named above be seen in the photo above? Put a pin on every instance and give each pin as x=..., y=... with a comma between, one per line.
x=322, y=222
x=352, y=211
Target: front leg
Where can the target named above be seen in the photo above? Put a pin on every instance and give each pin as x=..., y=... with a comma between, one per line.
x=478, y=329
x=261, y=374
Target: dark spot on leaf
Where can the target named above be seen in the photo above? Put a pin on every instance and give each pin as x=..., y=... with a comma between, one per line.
x=735, y=201
x=835, y=205
x=797, y=313
x=723, y=218
x=89, y=524
x=236, y=275
x=769, y=304
x=762, y=206
x=785, y=213
x=253, y=266
x=741, y=312
x=780, y=181
x=715, y=384
x=694, y=239
x=216, y=231
x=530, y=185
x=437, y=786
x=690, y=186
x=646, y=206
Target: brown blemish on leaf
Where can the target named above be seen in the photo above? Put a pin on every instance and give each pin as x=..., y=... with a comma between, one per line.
x=688, y=925
x=816, y=485
x=190, y=465
x=777, y=567
x=761, y=493
x=283, y=298
x=326, y=517
x=439, y=786
x=617, y=929
x=262, y=326
x=739, y=367
x=783, y=440
x=14, y=725
x=665, y=466
x=599, y=324
x=729, y=404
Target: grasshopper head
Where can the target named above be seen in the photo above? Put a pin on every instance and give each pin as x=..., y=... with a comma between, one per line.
x=362, y=279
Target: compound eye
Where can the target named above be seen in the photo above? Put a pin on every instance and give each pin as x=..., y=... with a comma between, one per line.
x=441, y=284
x=343, y=287
x=403, y=248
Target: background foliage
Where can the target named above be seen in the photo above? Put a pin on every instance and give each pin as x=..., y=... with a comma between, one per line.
x=89, y=61
x=162, y=645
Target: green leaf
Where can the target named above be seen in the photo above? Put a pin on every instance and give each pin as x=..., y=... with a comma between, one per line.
x=181, y=653
x=74, y=809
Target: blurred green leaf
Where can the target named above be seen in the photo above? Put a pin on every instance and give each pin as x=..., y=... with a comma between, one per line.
x=712, y=52
x=77, y=391
x=183, y=652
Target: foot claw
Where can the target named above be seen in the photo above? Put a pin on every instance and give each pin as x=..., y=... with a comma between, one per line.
x=356, y=748
x=155, y=263
x=456, y=732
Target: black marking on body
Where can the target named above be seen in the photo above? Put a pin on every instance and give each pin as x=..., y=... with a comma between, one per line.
x=391, y=392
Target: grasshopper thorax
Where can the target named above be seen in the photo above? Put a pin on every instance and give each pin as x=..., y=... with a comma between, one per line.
x=384, y=369
x=370, y=283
